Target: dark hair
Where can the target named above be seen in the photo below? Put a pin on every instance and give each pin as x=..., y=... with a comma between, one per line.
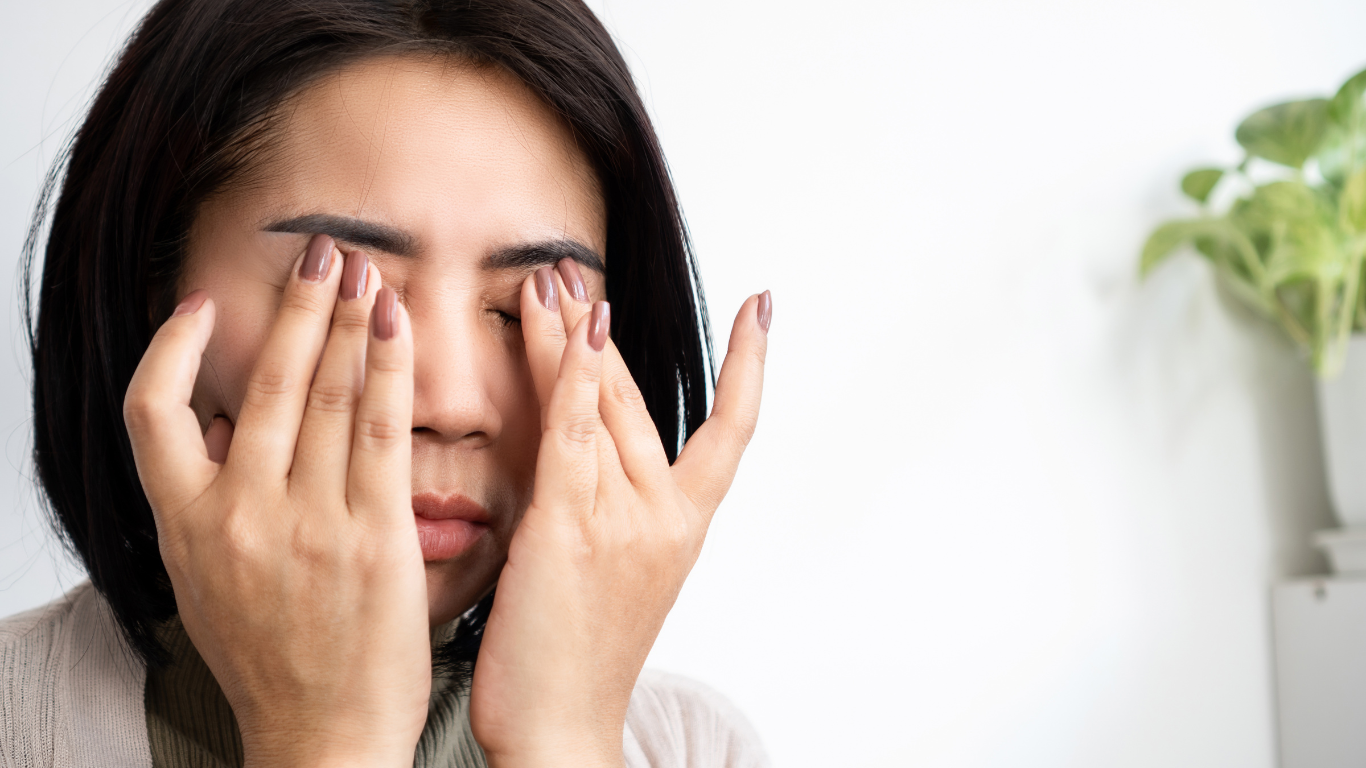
x=176, y=120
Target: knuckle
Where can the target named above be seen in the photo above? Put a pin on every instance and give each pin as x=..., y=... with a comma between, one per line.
x=379, y=429
x=238, y=537
x=673, y=532
x=269, y=381
x=738, y=429
x=584, y=377
x=554, y=332
x=625, y=391
x=387, y=365
x=306, y=305
x=332, y=398
x=139, y=411
x=351, y=323
x=314, y=546
x=757, y=353
x=577, y=431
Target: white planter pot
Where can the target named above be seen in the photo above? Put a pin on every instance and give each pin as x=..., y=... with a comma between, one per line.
x=1342, y=421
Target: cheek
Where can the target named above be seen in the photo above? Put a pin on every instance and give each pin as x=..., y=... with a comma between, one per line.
x=514, y=393
x=239, y=334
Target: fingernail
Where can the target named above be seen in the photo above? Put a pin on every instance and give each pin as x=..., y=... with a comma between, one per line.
x=354, y=275
x=599, y=325
x=573, y=279
x=765, y=310
x=191, y=303
x=318, y=259
x=545, y=289
x=384, y=317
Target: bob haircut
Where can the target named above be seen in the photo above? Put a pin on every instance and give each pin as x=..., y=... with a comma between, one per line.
x=184, y=110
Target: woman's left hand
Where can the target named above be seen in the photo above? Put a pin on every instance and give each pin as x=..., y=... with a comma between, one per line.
x=611, y=533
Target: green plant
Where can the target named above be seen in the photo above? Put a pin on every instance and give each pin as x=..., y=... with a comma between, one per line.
x=1293, y=246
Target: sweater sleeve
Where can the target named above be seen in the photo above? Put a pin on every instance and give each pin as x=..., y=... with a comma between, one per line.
x=70, y=688
x=676, y=722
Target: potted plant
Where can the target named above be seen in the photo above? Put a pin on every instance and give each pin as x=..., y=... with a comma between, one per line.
x=1286, y=232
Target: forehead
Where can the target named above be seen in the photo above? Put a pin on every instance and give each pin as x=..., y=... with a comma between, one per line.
x=451, y=152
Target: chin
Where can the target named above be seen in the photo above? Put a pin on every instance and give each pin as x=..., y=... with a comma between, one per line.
x=454, y=586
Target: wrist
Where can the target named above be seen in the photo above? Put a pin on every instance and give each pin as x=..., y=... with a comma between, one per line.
x=556, y=760
x=556, y=753
x=304, y=752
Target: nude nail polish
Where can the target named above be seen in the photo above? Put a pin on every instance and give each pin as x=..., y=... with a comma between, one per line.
x=573, y=280
x=545, y=289
x=598, y=326
x=318, y=260
x=384, y=317
x=765, y=310
x=354, y=275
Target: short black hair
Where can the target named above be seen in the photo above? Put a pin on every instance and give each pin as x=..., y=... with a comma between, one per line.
x=177, y=119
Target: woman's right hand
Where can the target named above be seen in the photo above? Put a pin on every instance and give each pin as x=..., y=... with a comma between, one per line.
x=295, y=561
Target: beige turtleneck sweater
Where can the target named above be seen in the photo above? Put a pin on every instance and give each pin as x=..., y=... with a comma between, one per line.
x=74, y=695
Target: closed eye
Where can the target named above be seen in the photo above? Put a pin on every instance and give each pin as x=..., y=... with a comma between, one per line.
x=506, y=319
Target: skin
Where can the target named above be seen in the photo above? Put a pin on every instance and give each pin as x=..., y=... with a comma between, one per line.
x=280, y=437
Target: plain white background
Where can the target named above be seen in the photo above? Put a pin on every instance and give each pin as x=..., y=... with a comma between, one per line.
x=1007, y=506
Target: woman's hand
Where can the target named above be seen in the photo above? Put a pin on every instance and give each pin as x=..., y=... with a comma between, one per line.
x=294, y=558
x=610, y=536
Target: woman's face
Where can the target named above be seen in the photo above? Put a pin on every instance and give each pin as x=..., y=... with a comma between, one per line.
x=457, y=183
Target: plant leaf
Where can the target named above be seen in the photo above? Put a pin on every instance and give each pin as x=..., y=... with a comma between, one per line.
x=1165, y=239
x=1294, y=229
x=1346, y=105
x=1198, y=183
x=1285, y=133
x=1352, y=203
x=1344, y=146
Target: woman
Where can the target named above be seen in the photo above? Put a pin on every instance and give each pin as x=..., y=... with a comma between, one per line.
x=352, y=310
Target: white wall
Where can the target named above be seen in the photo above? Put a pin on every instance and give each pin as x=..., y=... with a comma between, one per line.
x=1007, y=506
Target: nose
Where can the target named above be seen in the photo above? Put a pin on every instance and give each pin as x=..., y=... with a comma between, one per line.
x=453, y=375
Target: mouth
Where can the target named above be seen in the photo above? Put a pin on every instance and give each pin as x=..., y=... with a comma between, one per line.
x=447, y=526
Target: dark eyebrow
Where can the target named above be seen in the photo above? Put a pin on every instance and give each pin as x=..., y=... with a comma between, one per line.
x=545, y=253
x=367, y=234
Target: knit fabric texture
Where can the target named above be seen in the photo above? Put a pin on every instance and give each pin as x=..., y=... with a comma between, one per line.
x=74, y=695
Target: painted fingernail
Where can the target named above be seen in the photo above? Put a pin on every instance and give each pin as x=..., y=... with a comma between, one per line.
x=573, y=279
x=598, y=326
x=191, y=303
x=354, y=275
x=384, y=317
x=765, y=310
x=318, y=259
x=545, y=289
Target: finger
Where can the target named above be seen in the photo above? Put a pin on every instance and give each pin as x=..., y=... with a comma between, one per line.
x=379, y=480
x=633, y=435
x=267, y=427
x=560, y=302
x=543, y=321
x=567, y=464
x=323, y=452
x=634, y=440
x=573, y=310
x=543, y=332
x=706, y=467
x=169, y=451
x=628, y=422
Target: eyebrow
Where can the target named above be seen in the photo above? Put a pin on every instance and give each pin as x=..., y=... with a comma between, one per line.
x=545, y=253
x=367, y=234
x=382, y=237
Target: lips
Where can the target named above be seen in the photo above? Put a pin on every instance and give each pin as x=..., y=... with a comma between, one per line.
x=447, y=526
